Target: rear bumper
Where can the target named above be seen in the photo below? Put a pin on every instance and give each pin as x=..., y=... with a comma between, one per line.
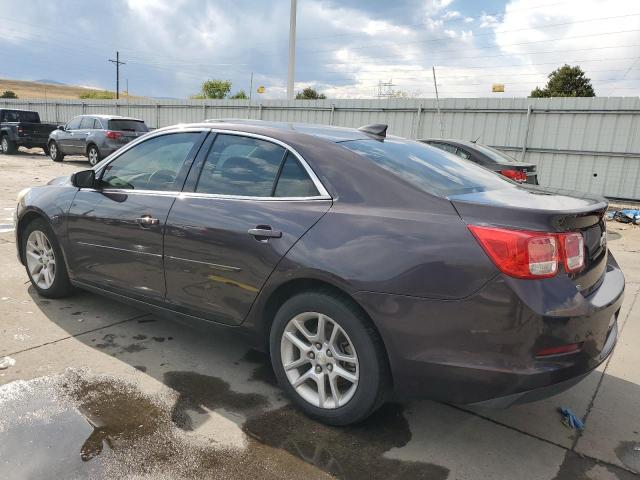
x=483, y=348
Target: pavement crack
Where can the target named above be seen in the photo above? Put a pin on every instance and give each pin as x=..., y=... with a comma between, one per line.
x=79, y=334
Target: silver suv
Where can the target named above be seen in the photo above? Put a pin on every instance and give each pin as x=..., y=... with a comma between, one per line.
x=94, y=136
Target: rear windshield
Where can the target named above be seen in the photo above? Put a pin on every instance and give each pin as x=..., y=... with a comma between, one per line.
x=495, y=155
x=433, y=170
x=19, y=116
x=128, y=125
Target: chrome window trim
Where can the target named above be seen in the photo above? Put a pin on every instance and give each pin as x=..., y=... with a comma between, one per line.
x=323, y=193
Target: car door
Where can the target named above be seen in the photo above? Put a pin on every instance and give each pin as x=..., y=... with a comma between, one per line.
x=66, y=137
x=79, y=139
x=115, y=230
x=247, y=201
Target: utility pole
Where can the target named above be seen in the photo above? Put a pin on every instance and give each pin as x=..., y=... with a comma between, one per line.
x=118, y=63
x=435, y=84
x=251, y=88
x=292, y=50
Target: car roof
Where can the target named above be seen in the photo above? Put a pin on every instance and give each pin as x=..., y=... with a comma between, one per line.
x=453, y=141
x=109, y=117
x=327, y=132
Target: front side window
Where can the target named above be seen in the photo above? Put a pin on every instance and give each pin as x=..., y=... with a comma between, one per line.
x=74, y=124
x=428, y=169
x=86, y=123
x=242, y=166
x=150, y=165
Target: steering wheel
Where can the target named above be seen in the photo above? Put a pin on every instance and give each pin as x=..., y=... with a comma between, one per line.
x=161, y=176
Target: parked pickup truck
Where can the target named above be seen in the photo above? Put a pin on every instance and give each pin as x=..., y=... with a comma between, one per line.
x=22, y=128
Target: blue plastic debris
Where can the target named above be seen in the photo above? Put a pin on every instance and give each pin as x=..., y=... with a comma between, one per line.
x=626, y=215
x=570, y=420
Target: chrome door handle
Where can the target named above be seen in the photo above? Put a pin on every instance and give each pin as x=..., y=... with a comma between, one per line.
x=147, y=220
x=263, y=232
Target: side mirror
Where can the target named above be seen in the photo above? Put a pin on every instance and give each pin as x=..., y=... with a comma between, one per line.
x=60, y=127
x=84, y=179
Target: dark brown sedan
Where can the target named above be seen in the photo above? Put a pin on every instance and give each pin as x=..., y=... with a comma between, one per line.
x=367, y=265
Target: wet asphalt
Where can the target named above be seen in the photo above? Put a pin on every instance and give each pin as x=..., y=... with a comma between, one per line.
x=102, y=390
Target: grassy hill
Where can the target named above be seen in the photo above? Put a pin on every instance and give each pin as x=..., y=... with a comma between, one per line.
x=32, y=90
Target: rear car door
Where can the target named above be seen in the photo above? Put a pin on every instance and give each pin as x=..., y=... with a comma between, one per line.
x=115, y=230
x=248, y=199
x=79, y=139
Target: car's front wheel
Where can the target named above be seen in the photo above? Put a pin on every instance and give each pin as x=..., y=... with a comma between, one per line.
x=44, y=261
x=93, y=154
x=328, y=358
x=54, y=152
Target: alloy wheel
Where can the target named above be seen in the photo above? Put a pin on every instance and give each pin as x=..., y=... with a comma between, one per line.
x=5, y=145
x=319, y=360
x=53, y=150
x=41, y=260
x=93, y=156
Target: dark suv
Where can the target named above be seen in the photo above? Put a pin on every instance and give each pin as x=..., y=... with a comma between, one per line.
x=94, y=136
x=22, y=128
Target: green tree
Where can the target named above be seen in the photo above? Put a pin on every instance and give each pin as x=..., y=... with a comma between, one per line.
x=9, y=94
x=99, y=95
x=310, y=94
x=566, y=81
x=216, y=88
x=239, y=95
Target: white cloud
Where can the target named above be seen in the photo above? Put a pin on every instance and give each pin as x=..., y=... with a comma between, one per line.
x=451, y=14
x=584, y=34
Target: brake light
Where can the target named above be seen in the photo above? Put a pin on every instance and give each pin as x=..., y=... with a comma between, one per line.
x=113, y=135
x=561, y=350
x=20, y=131
x=517, y=175
x=527, y=254
x=573, y=250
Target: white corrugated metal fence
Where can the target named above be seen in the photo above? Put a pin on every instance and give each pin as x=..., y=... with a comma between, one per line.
x=588, y=144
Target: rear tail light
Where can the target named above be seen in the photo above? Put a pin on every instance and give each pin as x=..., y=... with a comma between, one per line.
x=561, y=350
x=517, y=175
x=20, y=131
x=526, y=254
x=113, y=135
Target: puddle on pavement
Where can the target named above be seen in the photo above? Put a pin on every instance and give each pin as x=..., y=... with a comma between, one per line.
x=629, y=455
x=79, y=425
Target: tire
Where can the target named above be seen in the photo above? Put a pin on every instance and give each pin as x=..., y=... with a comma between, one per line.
x=7, y=146
x=36, y=238
x=45, y=150
x=357, y=340
x=54, y=152
x=93, y=155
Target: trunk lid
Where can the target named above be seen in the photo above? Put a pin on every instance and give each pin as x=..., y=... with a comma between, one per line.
x=544, y=210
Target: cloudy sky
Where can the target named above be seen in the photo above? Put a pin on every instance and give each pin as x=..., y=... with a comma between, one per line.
x=344, y=48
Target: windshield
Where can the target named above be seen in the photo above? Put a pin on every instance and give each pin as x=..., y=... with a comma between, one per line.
x=128, y=125
x=495, y=155
x=20, y=116
x=433, y=170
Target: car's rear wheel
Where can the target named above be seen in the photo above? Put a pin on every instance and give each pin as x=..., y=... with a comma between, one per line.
x=9, y=147
x=44, y=261
x=93, y=154
x=328, y=358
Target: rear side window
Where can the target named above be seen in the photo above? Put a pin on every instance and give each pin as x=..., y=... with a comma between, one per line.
x=86, y=123
x=242, y=166
x=128, y=126
x=427, y=168
x=294, y=181
x=97, y=125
